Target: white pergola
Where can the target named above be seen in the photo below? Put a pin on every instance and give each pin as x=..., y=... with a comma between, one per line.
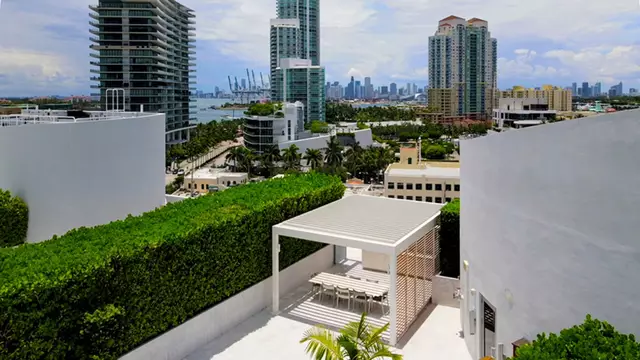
x=376, y=224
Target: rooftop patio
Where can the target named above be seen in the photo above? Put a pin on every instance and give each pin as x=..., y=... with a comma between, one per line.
x=434, y=335
x=401, y=234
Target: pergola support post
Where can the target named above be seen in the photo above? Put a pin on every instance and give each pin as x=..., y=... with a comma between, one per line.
x=275, y=277
x=393, y=314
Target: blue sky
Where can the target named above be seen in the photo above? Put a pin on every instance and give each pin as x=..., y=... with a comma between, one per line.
x=44, y=43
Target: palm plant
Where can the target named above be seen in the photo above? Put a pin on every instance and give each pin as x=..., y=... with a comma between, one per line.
x=270, y=157
x=235, y=155
x=356, y=341
x=247, y=157
x=313, y=158
x=291, y=157
x=354, y=158
x=333, y=153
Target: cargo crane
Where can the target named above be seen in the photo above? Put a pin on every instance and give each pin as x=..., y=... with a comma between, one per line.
x=253, y=92
x=255, y=84
x=230, y=87
x=248, y=81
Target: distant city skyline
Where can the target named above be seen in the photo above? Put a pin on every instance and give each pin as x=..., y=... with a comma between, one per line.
x=381, y=39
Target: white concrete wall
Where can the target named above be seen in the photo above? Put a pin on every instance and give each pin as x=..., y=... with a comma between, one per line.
x=174, y=198
x=85, y=173
x=320, y=142
x=549, y=226
x=443, y=290
x=197, y=332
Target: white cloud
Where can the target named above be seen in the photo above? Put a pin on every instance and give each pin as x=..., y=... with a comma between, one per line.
x=606, y=64
x=384, y=39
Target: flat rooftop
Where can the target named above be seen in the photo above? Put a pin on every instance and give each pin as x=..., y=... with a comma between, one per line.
x=36, y=117
x=427, y=172
x=368, y=218
x=433, y=336
x=209, y=173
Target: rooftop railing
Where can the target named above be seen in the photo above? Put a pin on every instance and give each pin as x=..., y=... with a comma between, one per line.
x=34, y=117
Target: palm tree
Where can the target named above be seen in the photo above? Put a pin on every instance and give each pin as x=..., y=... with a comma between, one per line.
x=291, y=157
x=247, y=157
x=313, y=158
x=269, y=158
x=354, y=158
x=356, y=341
x=235, y=155
x=333, y=153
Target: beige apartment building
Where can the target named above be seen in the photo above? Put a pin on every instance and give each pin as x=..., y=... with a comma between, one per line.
x=558, y=99
x=211, y=180
x=412, y=179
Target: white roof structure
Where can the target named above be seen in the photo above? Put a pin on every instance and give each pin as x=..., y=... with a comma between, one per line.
x=371, y=223
x=428, y=172
x=376, y=224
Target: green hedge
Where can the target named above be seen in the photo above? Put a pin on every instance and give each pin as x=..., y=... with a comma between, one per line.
x=593, y=339
x=96, y=293
x=14, y=220
x=450, y=239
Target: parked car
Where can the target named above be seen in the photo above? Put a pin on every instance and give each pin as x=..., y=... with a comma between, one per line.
x=180, y=172
x=175, y=171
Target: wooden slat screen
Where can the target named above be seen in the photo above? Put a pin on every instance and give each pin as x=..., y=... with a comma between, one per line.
x=416, y=267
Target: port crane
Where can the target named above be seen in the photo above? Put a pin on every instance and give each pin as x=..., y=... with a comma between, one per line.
x=252, y=92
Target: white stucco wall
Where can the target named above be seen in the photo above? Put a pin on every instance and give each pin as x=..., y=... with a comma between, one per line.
x=320, y=142
x=202, y=329
x=550, y=224
x=443, y=291
x=85, y=173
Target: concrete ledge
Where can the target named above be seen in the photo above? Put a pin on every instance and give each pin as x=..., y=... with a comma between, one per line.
x=177, y=343
x=443, y=290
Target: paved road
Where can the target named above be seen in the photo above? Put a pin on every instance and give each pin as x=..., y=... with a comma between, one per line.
x=216, y=154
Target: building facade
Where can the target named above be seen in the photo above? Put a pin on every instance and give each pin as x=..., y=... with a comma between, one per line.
x=545, y=239
x=558, y=99
x=412, y=179
x=263, y=132
x=211, y=180
x=145, y=49
x=463, y=60
x=522, y=112
x=86, y=169
x=295, y=36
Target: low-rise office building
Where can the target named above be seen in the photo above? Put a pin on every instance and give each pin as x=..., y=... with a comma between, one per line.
x=557, y=98
x=262, y=132
x=522, y=112
x=211, y=180
x=413, y=179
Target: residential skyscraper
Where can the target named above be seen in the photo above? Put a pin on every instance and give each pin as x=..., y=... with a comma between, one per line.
x=368, y=88
x=586, y=91
x=393, y=89
x=597, y=89
x=145, y=48
x=295, y=51
x=574, y=89
x=358, y=90
x=462, y=67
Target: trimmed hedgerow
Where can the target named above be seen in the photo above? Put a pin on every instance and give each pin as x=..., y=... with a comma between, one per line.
x=593, y=339
x=450, y=239
x=96, y=293
x=14, y=220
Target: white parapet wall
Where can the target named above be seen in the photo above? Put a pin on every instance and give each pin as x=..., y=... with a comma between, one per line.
x=202, y=329
x=444, y=289
x=85, y=173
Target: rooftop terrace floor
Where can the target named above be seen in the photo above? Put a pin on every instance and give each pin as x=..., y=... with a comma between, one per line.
x=435, y=335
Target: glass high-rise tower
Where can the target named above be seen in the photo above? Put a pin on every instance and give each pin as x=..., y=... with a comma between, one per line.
x=296, y=73
x=463, y=68
x=145, y=48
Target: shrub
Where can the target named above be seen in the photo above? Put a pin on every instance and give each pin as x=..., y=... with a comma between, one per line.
x=96, y=293
x=592, y=339
x=14, y=220
x=450, y=239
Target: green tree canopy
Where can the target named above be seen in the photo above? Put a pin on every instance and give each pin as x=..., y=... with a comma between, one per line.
x=591, y=340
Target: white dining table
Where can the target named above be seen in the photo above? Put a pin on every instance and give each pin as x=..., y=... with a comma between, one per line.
x=370, y=288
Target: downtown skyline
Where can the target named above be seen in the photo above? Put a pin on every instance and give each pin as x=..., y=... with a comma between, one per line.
x=383, y=40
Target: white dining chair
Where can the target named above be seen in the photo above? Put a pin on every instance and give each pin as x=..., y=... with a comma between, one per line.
x=328, y=290
x=362, y=298
x=343, y=294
